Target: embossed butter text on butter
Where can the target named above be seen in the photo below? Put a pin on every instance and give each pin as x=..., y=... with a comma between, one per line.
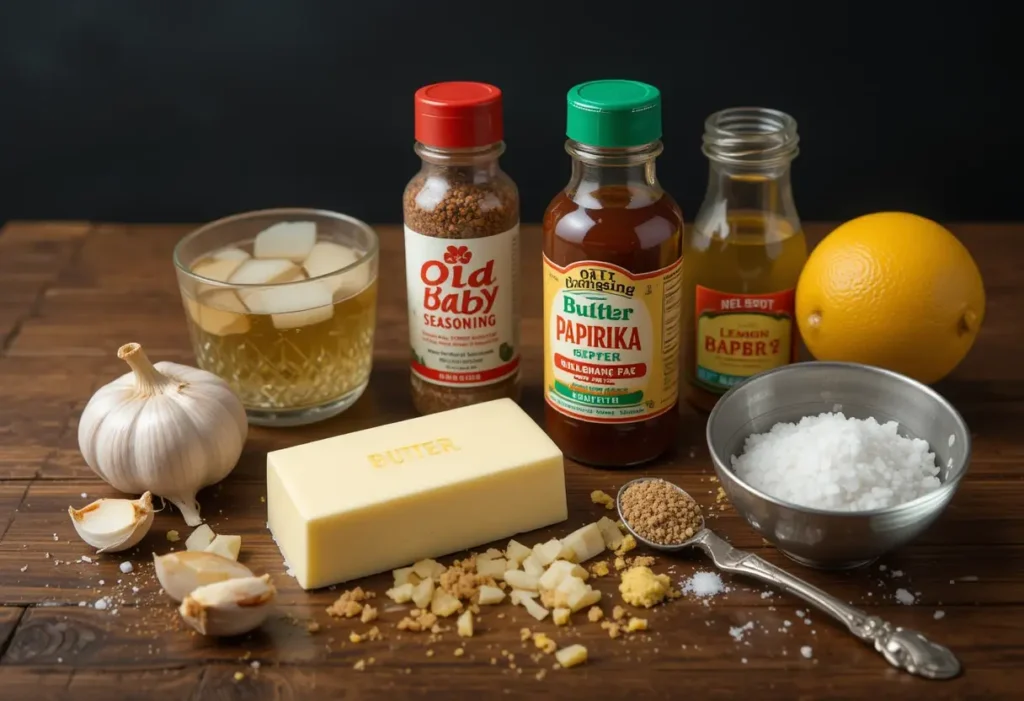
x=411, y=453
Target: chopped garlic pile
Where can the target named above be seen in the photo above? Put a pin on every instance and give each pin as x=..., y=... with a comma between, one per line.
x=546, y=580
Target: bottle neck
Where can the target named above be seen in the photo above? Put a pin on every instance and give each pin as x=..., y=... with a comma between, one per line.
x=594, y=167
x=765, y=189
x=480, y=162
x=750, y=150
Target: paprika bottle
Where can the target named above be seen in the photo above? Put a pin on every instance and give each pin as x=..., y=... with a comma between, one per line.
x=612, y=284
x=743, y=255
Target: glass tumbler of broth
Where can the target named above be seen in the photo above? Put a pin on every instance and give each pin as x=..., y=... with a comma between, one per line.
x=281, y=304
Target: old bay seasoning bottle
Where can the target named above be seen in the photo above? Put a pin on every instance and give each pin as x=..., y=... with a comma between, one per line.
x=612, y=283
x=743, y=256
x=461, y=216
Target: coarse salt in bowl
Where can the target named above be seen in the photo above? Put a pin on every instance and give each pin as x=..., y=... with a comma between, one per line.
x=839, y=490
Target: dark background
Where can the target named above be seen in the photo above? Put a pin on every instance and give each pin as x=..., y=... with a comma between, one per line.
x=152, y=110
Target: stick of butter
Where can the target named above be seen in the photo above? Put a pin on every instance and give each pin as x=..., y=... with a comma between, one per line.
x=354, y=505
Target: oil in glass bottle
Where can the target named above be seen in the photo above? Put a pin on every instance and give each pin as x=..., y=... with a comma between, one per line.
x=743, y=255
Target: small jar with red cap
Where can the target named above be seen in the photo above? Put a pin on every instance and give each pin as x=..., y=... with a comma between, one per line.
x=461, y=214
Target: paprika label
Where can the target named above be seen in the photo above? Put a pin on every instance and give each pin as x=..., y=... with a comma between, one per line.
x=463, y=313
x=611, y=341
x=740, y=335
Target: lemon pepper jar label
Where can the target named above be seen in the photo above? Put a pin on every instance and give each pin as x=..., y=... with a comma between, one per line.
x=740, y=335
x=613, y=341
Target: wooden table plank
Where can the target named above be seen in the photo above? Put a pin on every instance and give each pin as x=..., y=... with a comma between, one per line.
x=71, y=294
x=61, y=682
x=987, y=640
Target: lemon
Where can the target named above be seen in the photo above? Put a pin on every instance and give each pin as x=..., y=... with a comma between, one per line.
x=894, y=290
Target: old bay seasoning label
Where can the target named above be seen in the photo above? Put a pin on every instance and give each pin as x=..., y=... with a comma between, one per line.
x=613, y=341
x=740, y=335
x=463, y=313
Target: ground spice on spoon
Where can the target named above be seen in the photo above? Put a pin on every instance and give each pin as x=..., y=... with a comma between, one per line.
x=660, y=513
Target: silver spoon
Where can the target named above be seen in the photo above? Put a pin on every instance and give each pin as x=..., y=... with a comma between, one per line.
x=901, y=647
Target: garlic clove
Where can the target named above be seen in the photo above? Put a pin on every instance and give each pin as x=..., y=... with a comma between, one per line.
x=182, y=573
x=113, y=525
x=231, y=607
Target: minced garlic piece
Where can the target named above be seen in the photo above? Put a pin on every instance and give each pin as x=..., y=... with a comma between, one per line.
x=571, y=656
x=359, y=666
x=369, y=614
x=618, y=613
x=464, y=625
x=172, y=536
x=620, y=564
x=544, y=643
x=641, y=587
x=605, y=500
x=641, y=561
x=595, y=614
x=460, y=651
x=628, y=543
x=561, y=616
x=444, y=604
x=524, y=635
x=636, y=624
x=599, y=569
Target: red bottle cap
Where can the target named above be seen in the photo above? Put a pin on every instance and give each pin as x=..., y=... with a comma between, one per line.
x=458, y=115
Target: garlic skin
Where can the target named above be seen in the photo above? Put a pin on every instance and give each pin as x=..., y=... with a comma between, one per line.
x=232, y=607
x=113, y=525
x=182, y=573
x=168, y=429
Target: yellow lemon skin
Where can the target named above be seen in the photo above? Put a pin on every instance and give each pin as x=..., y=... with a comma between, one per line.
x=894, y=290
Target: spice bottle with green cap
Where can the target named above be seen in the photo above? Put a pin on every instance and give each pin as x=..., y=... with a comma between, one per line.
x=612, y=284
x=461, y=215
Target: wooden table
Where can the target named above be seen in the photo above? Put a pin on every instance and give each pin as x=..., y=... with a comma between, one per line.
x=71, y=293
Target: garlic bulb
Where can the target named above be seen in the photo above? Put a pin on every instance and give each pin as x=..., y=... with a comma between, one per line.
x=113, y=525
x=168, y=429
x=182, y=573
x=231, y=607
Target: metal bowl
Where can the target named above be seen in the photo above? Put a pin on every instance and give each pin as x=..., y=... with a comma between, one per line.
x=833, y=539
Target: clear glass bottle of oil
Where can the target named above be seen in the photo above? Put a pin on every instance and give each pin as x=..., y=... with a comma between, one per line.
x=743, y=255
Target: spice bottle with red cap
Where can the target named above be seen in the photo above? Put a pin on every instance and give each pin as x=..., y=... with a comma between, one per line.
x=461, y=215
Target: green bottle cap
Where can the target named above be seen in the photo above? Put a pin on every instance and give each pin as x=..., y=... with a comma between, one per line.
x=614, y=113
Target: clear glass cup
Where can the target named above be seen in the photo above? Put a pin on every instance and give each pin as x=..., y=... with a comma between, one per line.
x=292, y=336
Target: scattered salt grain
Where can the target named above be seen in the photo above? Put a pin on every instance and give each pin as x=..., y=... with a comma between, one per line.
x=806, y=651
x=787, y=623
x=24, y=568
x=83, y=604
x=882, y=568
x=102, y=582
x=126, y=567
x=737, y=632
x=807, y=621
x=86, y=558
x=135, y=590
x=837, y=463
x=939, y=614
x=897, y=574
x=904, y=597
x=968, y=578
x=84, y=495
x=101, y=604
